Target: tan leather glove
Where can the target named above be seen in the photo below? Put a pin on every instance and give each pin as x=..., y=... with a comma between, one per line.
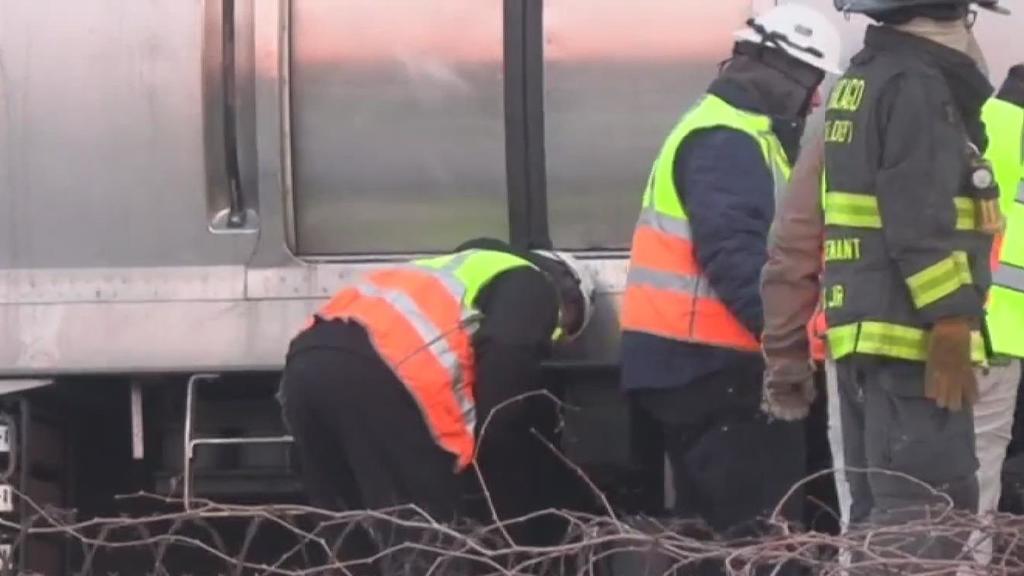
x=949, y=375
x=788, y=389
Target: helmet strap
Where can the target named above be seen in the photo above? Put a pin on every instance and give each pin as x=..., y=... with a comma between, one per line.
x=781, y=41
x=801, y=73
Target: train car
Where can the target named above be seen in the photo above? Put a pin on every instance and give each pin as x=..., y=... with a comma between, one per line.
x=183, y=181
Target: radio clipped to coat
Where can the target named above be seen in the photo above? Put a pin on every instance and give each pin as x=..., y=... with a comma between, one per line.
x=981, y=182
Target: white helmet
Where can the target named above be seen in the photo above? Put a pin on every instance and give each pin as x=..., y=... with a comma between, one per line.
x=584, y=280
x=799, y=31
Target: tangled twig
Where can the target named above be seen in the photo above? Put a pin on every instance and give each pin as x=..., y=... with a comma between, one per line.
x=589, y=542
x=296, y=540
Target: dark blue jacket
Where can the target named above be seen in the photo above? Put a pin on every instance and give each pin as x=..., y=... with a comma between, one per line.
x=728, y=192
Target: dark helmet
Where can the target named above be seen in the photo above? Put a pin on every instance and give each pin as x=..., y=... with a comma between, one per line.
x=881, y=6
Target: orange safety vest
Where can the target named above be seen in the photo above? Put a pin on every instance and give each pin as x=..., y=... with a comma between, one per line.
x=997, y=249
x=818, y=327
x=816, y=330
x=666, y=293
x=420, y=318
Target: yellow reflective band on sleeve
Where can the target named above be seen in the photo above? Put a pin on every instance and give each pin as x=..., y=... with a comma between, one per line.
x=965, y=218
x=940, y=279
x=854, y=210
x=890, y=340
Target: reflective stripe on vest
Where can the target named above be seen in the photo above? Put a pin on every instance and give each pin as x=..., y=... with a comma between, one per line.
x=420, y=318
x=667, y=294
x=890, y=340
x=1009, y=276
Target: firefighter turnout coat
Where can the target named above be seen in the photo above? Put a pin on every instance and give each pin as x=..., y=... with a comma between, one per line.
x=901, y=246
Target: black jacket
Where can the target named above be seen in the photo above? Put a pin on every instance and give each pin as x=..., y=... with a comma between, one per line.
x=520, y=312
x=897, y=131
x=1012, y=90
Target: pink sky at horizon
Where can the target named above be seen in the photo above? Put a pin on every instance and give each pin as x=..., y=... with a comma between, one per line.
x=470, y=30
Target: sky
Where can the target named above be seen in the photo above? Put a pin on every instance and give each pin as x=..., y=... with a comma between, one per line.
x=575, y=30
x=470, y=30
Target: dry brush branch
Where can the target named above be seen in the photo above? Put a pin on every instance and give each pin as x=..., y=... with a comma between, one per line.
x=295, y=540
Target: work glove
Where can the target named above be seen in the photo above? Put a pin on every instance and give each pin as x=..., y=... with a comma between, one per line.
x=949, y=375
x=788, y=389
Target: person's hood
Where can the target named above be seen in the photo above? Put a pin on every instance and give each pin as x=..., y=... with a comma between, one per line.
x=779, y=85
x=968, y=84
x=1012, y=90
x=950, y=33
x=766, y=85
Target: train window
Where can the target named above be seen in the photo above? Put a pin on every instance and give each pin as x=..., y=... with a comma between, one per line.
x=398, y=125
x=617, y=77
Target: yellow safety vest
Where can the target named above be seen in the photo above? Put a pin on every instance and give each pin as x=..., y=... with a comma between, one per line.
x=1004, y=123
x=667, y=294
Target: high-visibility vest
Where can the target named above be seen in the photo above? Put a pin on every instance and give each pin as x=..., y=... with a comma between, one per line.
x=816, y=330
x=420, y=318
x=667, y=294
x=1004, y=123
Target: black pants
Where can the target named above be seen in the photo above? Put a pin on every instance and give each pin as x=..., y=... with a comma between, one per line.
x=363, y=444
x=731, y=466
x=889, y=425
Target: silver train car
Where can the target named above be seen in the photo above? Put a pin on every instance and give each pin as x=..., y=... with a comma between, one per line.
x=183, y=181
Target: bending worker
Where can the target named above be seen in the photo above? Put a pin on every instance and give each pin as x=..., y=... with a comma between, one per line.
x=906, y=262
x=692, y=313
x=385, y=392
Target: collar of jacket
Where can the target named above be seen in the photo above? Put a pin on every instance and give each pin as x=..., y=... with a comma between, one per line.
x=734, y=90
x=736, y=94
x=747, y=82
x=970, y=88
x=1012, y=90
